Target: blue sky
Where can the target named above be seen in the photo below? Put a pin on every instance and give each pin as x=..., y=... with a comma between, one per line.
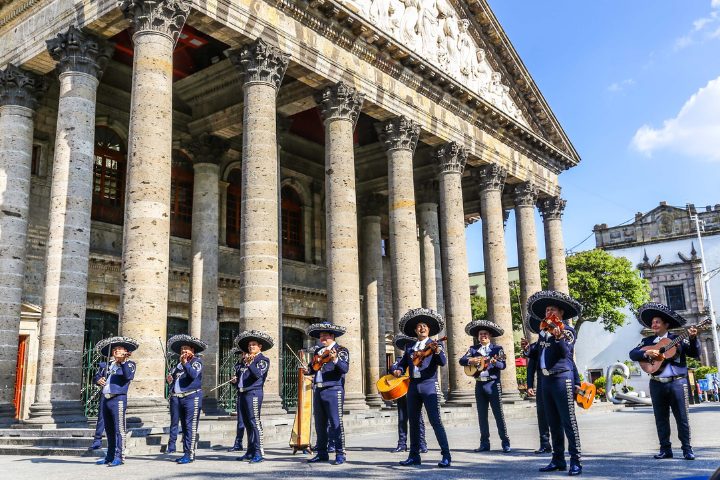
x=636, y=86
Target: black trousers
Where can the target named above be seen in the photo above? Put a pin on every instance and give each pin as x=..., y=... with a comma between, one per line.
x=671, y=396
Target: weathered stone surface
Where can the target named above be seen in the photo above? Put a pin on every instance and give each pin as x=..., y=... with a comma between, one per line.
x=373, y=329
x=339, y=102
x=77, y=51
x=261, y=62
x=551, y=210
x=165, y=17
x=525, y=198
x=21, y=88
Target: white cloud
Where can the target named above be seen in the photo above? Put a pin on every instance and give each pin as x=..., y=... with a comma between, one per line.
x=697, y=33
x=622, y=85
x=694, y=132
x=715, y=3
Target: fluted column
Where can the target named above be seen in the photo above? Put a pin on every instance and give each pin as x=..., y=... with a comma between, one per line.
x=551, y=210
x=146, y=235
x=491, y=180
x=207, y=151
x=81, y=58
x=399, y=136
x=451, y=158
x=340, y=107
x=263, y=67
x=372, y=283
x=19, y=93
x=525, y=198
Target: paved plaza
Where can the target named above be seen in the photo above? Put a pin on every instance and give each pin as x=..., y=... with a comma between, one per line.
x=616, y=445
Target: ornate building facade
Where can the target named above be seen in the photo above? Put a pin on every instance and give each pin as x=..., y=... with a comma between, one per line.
x=168, y=166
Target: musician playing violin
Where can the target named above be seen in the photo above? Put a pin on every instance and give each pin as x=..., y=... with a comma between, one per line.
x=251, y=371
x=669, y=386
x=328, y=368
x=423, y=359
x=402, y=342
x=488, y=391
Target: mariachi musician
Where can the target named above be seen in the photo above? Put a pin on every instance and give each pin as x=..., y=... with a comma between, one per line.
x=490, y=360
x=669, y=386
x=423, y=359
x=402, y=342
x=114, y=376
x=328, y=368
x=251, y=371
x=186, y=393
x=555, y=359
x=240, y=429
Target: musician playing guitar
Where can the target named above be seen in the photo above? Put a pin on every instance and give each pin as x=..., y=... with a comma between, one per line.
x=402, y=342
x=490, y=360
x=669, y=385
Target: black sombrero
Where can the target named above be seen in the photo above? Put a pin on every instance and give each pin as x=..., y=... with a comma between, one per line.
x=533, y=323
x=541, y=300
x=402, y=341
x=264, y=339
x=316, y=329
x=104, y=346
x=177, y=341
x=650, y=310
x=409, y=321
x=475, y=326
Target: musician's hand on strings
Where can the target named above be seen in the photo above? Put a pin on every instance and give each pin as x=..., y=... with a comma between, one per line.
x=524, y=344
x=333, y=354
x=169, y=378
x=397, y=373
x=234, y=379
x=693, y=332
x=474, y=360
x=556, y=332
x=531, y=392
x=654, y=354
x=101, y=381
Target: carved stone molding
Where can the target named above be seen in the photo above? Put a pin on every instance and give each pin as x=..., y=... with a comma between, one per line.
x=20, y=87
x=552, y=208
x=427, y=192
x=207, y=148
x=399, y=133
x=339, y=102
x=452, y=157
x=77, y=51
x=491, y=177
x=260, y=62
x=525, y=195
x=166, y=17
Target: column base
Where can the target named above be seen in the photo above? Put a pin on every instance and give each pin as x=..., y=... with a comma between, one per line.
x=147, y=412
x=374, y=400
x=355, y=401
x=211, y=407
x=57, y=414
x=7, y=414
x=460, y=398
x=511, y=397
x=272, y=405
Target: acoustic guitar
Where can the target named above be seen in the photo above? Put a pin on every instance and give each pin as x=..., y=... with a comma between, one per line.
x=585, y=396
x=391, y=387
x=475, y=370
x=668, y=349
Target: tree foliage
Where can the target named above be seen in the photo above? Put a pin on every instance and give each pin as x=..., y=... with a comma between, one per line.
x=478, y=307
x=604, y=285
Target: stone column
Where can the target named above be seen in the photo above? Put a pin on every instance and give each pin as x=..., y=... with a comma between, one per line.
x=207, y=151
x=81, y=58
x=451, y=158
x=525, y=198
x=222, y=206
x=146, y=239
x=340, y=107
x=372, y=278
x=19, y=93
x=263, y=67
x=491, y=180
x=399, y=136
x=551, y=210
x=429, y=228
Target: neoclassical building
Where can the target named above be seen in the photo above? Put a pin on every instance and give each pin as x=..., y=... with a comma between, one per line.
x=210, y=166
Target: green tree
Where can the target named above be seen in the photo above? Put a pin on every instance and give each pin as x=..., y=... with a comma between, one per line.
x=478, y=307
x=603, y=285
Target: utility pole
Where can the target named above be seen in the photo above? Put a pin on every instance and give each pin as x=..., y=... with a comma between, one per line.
x=699, y=227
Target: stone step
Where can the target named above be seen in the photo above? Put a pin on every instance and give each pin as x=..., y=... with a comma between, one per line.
x=45, y=433
x=32, y=451
x=69, y=442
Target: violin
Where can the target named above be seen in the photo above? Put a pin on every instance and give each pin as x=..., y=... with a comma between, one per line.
x=429, y=349
x=320, y=360
x=186, y=357
x=552, y=321
x=248, y=358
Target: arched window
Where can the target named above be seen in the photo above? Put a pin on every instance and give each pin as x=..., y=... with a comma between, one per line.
x=232, y=220
x=108, y=177
x=293, y=241
x=181, y=196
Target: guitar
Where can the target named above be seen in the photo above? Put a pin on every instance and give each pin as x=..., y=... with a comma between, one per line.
x=667, y=349
x=475, y=370
x=585, y=395
x=391, y=387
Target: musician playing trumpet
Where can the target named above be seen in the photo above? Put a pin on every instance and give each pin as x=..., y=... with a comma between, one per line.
x=489, y=360
x=668, y=386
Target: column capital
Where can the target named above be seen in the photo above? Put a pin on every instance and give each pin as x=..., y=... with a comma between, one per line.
x=260, y=62
x=452, y=157
x=339, y=102
x=166, y=17
x=78, y=51
x=525, y=194
x=21, y=87
x=491, y=177
x=552, y=208
x=207, y=148
x=399, y=133
x=427, y=192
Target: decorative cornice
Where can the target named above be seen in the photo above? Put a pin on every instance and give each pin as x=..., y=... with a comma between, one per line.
x=491, y=177
x=77, y=51
x=452, y=157
x=166, y=17
x=207, y=149
x=525, y=194
x=552, y=208
x=260, y=62
x=339, y=102
x=399, y=133
x=427, y=192
x=20, y=87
